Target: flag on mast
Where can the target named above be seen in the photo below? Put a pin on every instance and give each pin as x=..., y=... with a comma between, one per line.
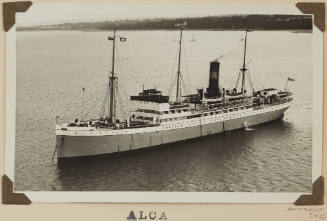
x=290, y=79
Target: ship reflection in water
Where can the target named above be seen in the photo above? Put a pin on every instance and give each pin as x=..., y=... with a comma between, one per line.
x=242, y=160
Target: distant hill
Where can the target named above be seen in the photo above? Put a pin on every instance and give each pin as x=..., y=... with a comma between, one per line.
x=253, y=22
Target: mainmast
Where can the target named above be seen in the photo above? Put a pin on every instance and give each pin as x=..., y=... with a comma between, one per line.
x=178, y=88
x=113, y=79
x=244, y=69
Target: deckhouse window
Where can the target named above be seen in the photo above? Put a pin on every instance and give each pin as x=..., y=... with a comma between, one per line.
x=148, y=118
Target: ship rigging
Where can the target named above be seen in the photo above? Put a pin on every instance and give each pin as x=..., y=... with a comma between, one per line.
x=113, y=79
x=178, y=87
x=157, y=120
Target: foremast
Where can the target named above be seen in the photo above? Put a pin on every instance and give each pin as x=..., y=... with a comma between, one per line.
x=113, y=79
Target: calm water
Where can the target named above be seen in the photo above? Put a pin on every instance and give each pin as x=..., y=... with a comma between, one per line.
x=53, y=67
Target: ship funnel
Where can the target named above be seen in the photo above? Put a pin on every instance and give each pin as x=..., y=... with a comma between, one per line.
x=213, y=89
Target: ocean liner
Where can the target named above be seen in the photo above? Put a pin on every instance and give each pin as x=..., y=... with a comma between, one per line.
x=158, y=120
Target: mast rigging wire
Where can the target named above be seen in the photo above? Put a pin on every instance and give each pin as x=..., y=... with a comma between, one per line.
x=173, y=75
x=187, y=75
x=250, y=80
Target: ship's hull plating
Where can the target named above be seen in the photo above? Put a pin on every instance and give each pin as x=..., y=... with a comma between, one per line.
x=69, y=147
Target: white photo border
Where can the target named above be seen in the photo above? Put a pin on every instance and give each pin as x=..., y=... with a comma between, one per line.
x=173, y=197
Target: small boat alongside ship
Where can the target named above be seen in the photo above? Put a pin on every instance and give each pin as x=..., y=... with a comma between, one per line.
x=157, y=119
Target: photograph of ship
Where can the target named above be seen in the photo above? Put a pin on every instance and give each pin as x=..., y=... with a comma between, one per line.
x=159, y=120
x=191, y=103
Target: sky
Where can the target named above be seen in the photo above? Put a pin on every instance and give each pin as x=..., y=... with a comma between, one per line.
x=40, y=14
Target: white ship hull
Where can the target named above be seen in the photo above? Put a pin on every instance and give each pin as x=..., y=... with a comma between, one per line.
x=85, y=143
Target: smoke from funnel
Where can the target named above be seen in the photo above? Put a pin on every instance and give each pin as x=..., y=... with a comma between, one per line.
x=226, y=55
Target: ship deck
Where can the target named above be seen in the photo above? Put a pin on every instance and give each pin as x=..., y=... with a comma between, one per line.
x=196, y=117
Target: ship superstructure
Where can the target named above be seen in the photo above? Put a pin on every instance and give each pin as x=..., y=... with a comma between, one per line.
x=158, y=120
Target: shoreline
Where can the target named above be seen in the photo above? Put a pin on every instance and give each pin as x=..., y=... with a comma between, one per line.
x=104, y=30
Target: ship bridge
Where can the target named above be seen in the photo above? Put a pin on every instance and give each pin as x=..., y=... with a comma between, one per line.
x=148, y=105
x=152, y=107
